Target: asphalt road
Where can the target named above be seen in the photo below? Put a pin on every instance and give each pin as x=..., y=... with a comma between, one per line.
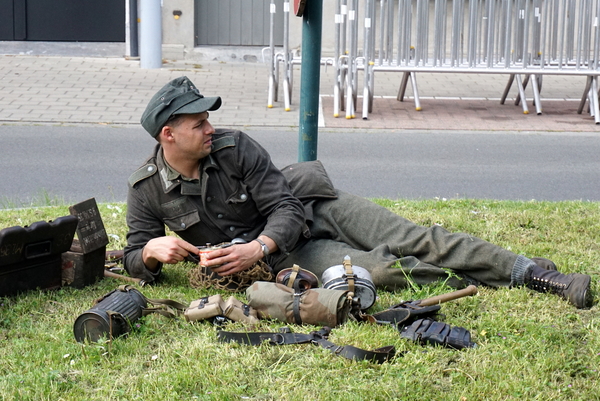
x=74, y=163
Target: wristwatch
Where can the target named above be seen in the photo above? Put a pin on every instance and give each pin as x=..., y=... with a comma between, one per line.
x=263, y=246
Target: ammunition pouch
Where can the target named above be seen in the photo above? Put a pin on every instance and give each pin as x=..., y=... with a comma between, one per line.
x=239, y=312
x=213, y=306
x=204, y=308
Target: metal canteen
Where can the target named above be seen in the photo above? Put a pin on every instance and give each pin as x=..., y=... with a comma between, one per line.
x=336, y=278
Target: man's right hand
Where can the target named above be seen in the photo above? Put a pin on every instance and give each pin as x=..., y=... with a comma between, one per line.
x=168, y=250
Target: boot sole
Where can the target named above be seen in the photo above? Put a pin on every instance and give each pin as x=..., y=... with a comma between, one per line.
x=587, y=299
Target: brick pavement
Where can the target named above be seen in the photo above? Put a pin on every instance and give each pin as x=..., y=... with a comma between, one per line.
x=465, y=114
x=112, y=90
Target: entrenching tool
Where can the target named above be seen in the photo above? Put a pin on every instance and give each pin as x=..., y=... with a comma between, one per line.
x=408, y=311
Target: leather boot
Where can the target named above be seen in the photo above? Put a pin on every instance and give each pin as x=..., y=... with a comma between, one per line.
x=573, y=287
x=544, y=263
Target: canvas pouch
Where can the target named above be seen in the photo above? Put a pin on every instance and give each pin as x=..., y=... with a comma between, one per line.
x=204, y=308
x=319, y=306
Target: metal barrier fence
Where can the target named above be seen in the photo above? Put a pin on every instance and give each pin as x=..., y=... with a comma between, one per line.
x=515, y=37
x=524, y=39
x=287, y=57
x=275, y=58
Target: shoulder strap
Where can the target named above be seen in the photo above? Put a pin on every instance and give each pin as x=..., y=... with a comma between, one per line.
x=142, y=173
x=223, y=142
x=285, y=336
x=165, y=307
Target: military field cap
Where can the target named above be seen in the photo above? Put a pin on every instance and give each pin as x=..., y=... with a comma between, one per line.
x=180, y=96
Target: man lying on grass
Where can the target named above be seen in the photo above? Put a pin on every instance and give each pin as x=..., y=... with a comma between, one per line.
x=213, y=186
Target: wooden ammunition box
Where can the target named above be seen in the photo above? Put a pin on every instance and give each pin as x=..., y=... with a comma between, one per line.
x=84, y=263
x=81, y=269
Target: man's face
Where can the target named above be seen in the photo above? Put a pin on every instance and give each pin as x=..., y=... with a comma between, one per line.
x=193, y=135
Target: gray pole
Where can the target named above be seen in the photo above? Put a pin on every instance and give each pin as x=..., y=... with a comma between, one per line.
x=133, y=29
x=312, y=21
x=150, y=34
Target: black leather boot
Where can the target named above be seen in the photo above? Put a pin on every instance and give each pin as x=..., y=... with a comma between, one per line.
x=573, y=287
x=544, y=263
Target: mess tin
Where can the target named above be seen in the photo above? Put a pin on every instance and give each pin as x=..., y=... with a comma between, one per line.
x=203, y=251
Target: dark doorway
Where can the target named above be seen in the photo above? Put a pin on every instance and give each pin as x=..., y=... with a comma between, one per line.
x=63, y=20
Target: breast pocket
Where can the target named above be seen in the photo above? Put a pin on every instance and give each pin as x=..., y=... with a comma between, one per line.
x=241, y=205
x=180, y=214
x=240, y=196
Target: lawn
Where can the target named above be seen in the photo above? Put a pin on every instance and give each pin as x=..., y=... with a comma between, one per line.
x=530, y=346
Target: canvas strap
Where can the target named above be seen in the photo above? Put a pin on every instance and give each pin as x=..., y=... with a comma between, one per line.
x=164, y=307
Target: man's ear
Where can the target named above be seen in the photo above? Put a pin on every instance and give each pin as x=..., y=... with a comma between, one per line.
x=166, y=134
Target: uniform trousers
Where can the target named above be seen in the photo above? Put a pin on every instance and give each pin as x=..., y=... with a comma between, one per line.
x=395, y=250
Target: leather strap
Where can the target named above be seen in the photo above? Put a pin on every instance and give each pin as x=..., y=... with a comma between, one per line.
x=285, y=336
x=379, y=355
x=349, y=275
x=296, y=306
x=257, y=338
x=293, y=275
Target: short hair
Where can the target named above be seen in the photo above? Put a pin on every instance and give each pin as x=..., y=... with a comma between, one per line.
x=172, y=121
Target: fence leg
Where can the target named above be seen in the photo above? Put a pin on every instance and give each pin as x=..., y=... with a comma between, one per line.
x=522, y=94
x=343, y=88
x=338, y=91
x=586, y=94
x=371, y=89
x=511, y=79
x=349, y=100
x=402, y=89
x=272, y=89
x=336, y=100
x=340, y=88
x=525, y=82
x=287, y=62
x=287, y=94
x=272, y=95
x=413, y=81
x=276, y=79
x=366, y=97
x=368, y=91
x=536, y=94
x=354, y=93
x=594, y=93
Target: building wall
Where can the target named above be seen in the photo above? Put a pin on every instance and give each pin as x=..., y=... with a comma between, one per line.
x=177, y=30
x=178, y=33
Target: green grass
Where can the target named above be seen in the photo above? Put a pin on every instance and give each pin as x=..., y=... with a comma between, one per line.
x=43, y=198
x=531, y=346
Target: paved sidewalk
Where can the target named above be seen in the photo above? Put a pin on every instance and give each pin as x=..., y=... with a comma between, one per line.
x=112, y=90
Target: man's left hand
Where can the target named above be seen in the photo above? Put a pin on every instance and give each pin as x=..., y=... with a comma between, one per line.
x=234, y=259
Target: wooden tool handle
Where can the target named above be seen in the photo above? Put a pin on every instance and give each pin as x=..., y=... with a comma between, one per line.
x=465, y=292
x=138, y=281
